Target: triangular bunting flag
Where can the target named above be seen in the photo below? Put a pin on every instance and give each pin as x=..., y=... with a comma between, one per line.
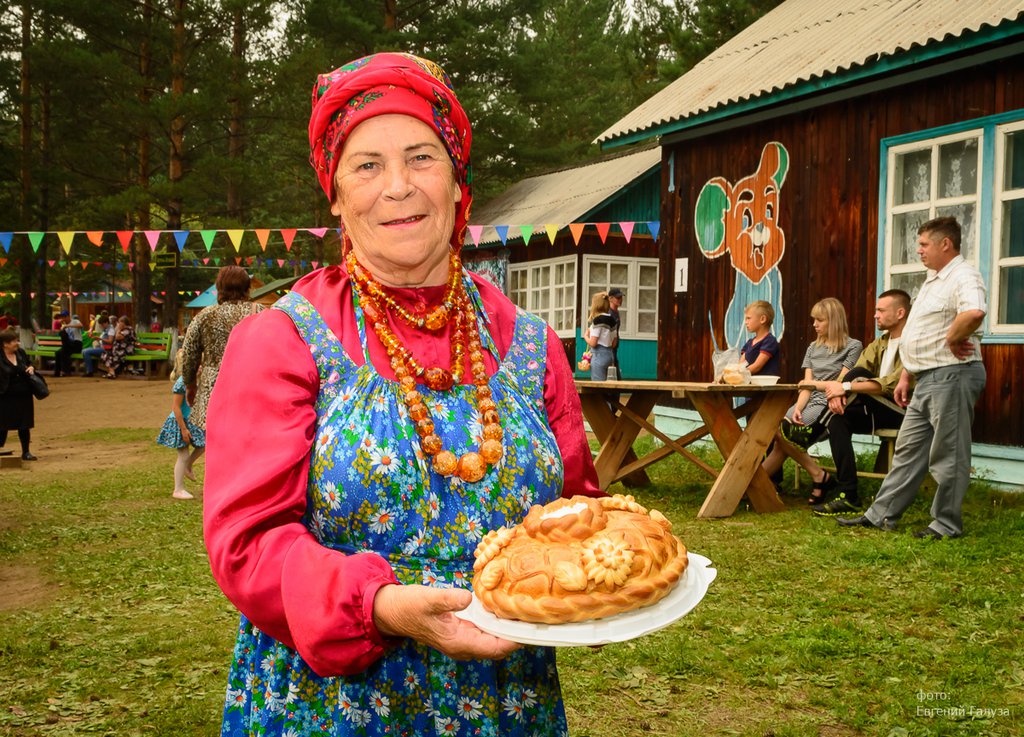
x=125, y=237
x=2, y=262
x=316, y=264
x=236, y=238
x=289, y=235
x=152, y=265
x=627, y=230
x=153, y=237
x=577, y=230
x=84, y=265
x=502, y=231
x=318, y=232
x=238, y=260
x=552, y=230
x=602, y=230
x=208, y=236
x=95, y=237
x=262, y=234
x=206, y=261
x=280, y=262
x=474, y=232
x=180, y=236
x=527, y=231
x=51, y=263
x=35, y=239
x=66, y=236
x=5, y=241
x=131, y=266
x=654, y=226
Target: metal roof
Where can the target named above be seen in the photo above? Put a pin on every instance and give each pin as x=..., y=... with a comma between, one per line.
x=804, y=40
x=562, y=197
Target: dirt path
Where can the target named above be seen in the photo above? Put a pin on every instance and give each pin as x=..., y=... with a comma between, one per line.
x=78, y=405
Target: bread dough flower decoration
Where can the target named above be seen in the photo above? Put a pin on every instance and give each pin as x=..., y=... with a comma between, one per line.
x=578, y=559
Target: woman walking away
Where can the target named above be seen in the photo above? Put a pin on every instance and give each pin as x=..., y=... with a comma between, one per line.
x=16, y=409
x=178, y=433
x=207, y=337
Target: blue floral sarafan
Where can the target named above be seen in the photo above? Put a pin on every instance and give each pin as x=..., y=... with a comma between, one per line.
x=371, y=489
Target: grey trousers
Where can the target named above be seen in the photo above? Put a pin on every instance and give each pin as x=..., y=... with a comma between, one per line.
x=935, y=436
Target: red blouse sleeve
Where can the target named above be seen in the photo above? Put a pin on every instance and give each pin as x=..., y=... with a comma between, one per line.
x=565, y=415
x=259, y=432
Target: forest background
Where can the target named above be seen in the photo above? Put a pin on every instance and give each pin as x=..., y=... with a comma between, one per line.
x=135, y=115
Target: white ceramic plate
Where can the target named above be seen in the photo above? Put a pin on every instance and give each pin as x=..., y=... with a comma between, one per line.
x=764, y=380
x=619, y=628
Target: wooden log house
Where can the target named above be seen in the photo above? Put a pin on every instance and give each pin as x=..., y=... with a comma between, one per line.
x=799, y=159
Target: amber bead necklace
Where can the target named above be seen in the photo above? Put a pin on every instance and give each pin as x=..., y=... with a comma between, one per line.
x=457, y=309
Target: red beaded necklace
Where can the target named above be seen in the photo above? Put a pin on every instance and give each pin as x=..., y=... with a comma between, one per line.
x=456, y=308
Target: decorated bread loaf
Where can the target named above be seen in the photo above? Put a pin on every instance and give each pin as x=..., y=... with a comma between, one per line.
x=578, y=559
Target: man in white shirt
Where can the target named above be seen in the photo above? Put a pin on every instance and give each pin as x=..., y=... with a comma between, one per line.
x=941, y=348
x=862, y=402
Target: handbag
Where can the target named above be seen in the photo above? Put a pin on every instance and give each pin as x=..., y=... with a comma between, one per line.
x=40, y=390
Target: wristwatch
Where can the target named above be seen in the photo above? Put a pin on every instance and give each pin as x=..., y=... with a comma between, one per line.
x=847, y=386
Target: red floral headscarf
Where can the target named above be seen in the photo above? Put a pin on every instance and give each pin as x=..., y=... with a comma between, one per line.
x=384, y=84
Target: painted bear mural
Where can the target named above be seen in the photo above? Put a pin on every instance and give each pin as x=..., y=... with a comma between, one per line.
x=743, y=220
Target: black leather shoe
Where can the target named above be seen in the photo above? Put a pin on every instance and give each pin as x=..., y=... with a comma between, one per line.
x=28, y=457
x=929, y=534
x=863, y=521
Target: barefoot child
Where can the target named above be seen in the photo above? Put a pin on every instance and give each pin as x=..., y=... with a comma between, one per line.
x=178, y=433
x=760, y=353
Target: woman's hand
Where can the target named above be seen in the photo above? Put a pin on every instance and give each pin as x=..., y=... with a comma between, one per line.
x=798, y=418
x=186, y=436
x=425, y=614
x=30, y=369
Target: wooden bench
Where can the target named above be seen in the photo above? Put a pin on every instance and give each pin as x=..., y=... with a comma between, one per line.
x=153, y=351
x=47, y=345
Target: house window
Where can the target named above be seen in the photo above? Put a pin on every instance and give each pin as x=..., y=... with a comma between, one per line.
x=547, y=289
x=638, y=280
x=1006, y=311
x=974, y=171
x=930, y=179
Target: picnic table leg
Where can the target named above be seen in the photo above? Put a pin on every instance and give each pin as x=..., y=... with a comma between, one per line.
x=616, y=435
x=743, y=451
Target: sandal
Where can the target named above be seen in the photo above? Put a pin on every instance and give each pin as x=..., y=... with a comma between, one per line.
x=820, y=488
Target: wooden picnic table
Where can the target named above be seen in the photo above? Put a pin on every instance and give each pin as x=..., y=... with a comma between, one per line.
x=742, y=448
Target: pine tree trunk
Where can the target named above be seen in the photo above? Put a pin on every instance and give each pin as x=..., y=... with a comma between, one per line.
x=236, y=126
x=28, y=258
x=45, y=147
x=176, y=168
x=141, y=278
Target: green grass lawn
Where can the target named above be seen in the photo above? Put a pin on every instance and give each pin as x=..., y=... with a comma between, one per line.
x=809, y=629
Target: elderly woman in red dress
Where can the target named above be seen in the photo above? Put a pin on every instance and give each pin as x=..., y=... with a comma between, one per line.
x=370, y=429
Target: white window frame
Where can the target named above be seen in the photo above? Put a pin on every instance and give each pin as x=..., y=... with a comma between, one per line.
x=934, y=202
x=628, y=330
x=1001, y=196
x=528, y=296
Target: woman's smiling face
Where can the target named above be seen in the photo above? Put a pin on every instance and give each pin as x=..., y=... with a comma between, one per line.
x=396, y=196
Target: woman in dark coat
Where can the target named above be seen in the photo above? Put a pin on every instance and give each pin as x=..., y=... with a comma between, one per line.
x=16, y=409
